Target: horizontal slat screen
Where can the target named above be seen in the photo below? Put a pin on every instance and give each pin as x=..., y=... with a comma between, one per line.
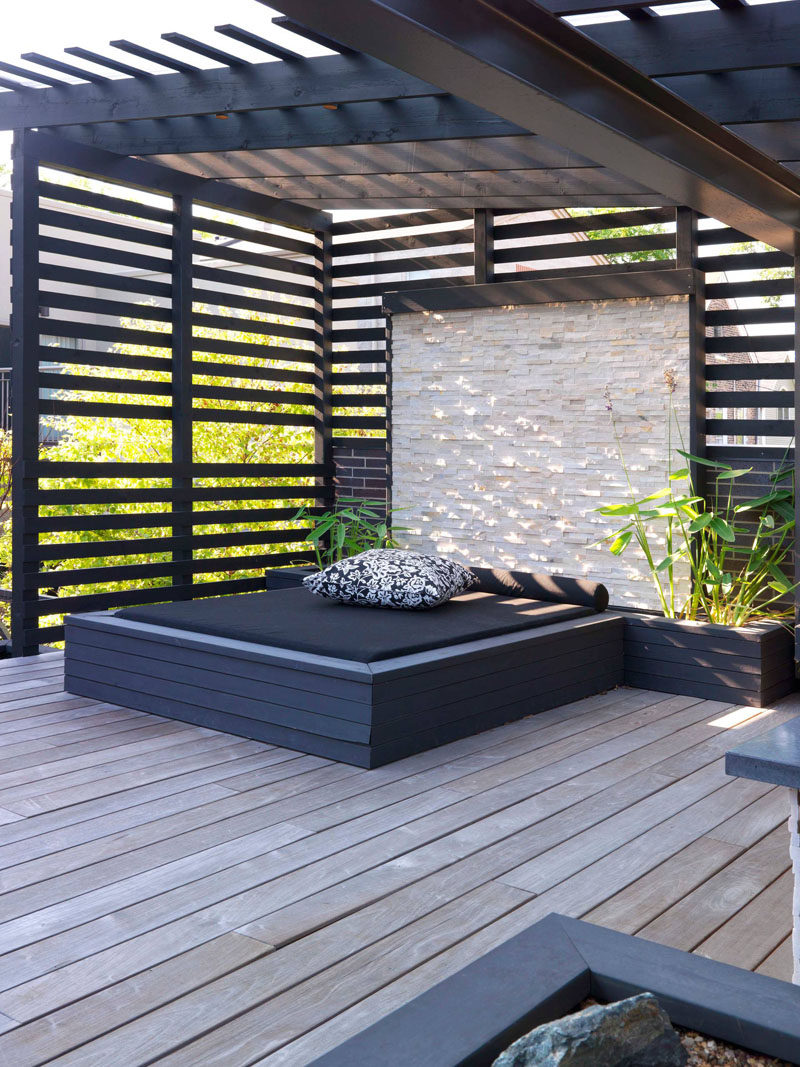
x=116, y=513
x=749, y=341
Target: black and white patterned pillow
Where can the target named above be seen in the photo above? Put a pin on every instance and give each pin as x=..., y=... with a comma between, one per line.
x=391, y=578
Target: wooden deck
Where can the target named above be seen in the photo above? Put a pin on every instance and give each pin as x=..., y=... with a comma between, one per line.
x=179, y=896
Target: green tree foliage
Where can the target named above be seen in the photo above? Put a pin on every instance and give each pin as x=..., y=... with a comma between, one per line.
x=612, y=232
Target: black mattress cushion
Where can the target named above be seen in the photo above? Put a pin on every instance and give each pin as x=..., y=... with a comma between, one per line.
x=293, y=618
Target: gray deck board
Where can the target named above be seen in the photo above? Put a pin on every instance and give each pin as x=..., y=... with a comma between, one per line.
x=170, y=894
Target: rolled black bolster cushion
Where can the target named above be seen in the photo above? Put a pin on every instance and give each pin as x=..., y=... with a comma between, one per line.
x=557, y=588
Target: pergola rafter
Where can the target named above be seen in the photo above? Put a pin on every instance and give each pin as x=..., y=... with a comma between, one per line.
x=422, y=118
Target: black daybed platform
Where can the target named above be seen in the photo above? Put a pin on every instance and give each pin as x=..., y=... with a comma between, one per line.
x=362, y=685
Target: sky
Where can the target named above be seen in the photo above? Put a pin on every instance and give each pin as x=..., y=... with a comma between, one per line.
x=49, y=26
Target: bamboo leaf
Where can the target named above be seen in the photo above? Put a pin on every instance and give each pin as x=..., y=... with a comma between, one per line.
x=703, y=462
x=701, y=522
x=734, y=474
x=621, y=542
x=722, y=529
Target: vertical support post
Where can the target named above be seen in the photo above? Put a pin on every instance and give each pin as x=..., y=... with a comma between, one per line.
x=687, y=258
x=794, y=852
x=182, y=417
x=483, y=238
x=24, y=393
x=388, y=320
x=796, y=448
x=323, y=388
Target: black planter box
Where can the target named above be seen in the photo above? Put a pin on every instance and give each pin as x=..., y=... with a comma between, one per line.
x=287, y=577
x=751, y=665
x=546, y=971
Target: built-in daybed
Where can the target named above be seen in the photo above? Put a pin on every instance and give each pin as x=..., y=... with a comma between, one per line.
x=362, y=685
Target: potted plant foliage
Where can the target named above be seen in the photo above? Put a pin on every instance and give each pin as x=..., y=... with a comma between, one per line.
x=718, y=562
x=352, y=526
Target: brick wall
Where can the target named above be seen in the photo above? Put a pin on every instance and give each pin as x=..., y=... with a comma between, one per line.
x=361, y=469
x=501, y=440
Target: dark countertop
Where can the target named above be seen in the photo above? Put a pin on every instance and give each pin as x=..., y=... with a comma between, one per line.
x=773, y=757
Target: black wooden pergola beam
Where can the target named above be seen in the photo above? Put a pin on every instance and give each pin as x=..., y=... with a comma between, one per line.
x=144, y=174
x=706, y=41
x=370, y=122
x=529, y=67
x=742, y=96
x=497, y=154
x=337, y=79
x=584, y=7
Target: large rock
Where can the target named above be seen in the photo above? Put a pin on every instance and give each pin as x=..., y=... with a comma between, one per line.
x=630, y=1033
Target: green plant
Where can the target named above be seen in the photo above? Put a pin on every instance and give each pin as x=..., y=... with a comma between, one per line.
x=732, y=553
x=351, y=527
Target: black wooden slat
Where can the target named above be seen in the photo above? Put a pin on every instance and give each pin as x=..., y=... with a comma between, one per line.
x=89, y=383
x=253, y=396
x=138, y=572
x=222, y=276
x=135, y=546
x=103, y=496
x=72, y=194
x=576, y=249
x=361, y=268
x=252, y=350
x=381, y=222
x=252, y=236
x=100, y=409
x=505, y=231
x=251, y=418
x=88, y=331
x=162, y=520
x=214, y=298
x=352, y=292
x=385, y=241
x=233, y=324
x=744, y=261
x=749, y=316
x=761, y=288
x=103, y=280
x=98, y=227
x=729, y=372
x=750, y=427
x=776, y=398
x=114, y=469
x=84, y=358
x=202, y=368
x=83, y=251
x=88, y=305
x=232, y=254
x=781, y=342
x=345, y=422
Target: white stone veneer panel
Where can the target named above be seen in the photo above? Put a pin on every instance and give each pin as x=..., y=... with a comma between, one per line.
x=501, y=441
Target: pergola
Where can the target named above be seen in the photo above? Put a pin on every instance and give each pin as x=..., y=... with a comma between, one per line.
x=461, y=114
